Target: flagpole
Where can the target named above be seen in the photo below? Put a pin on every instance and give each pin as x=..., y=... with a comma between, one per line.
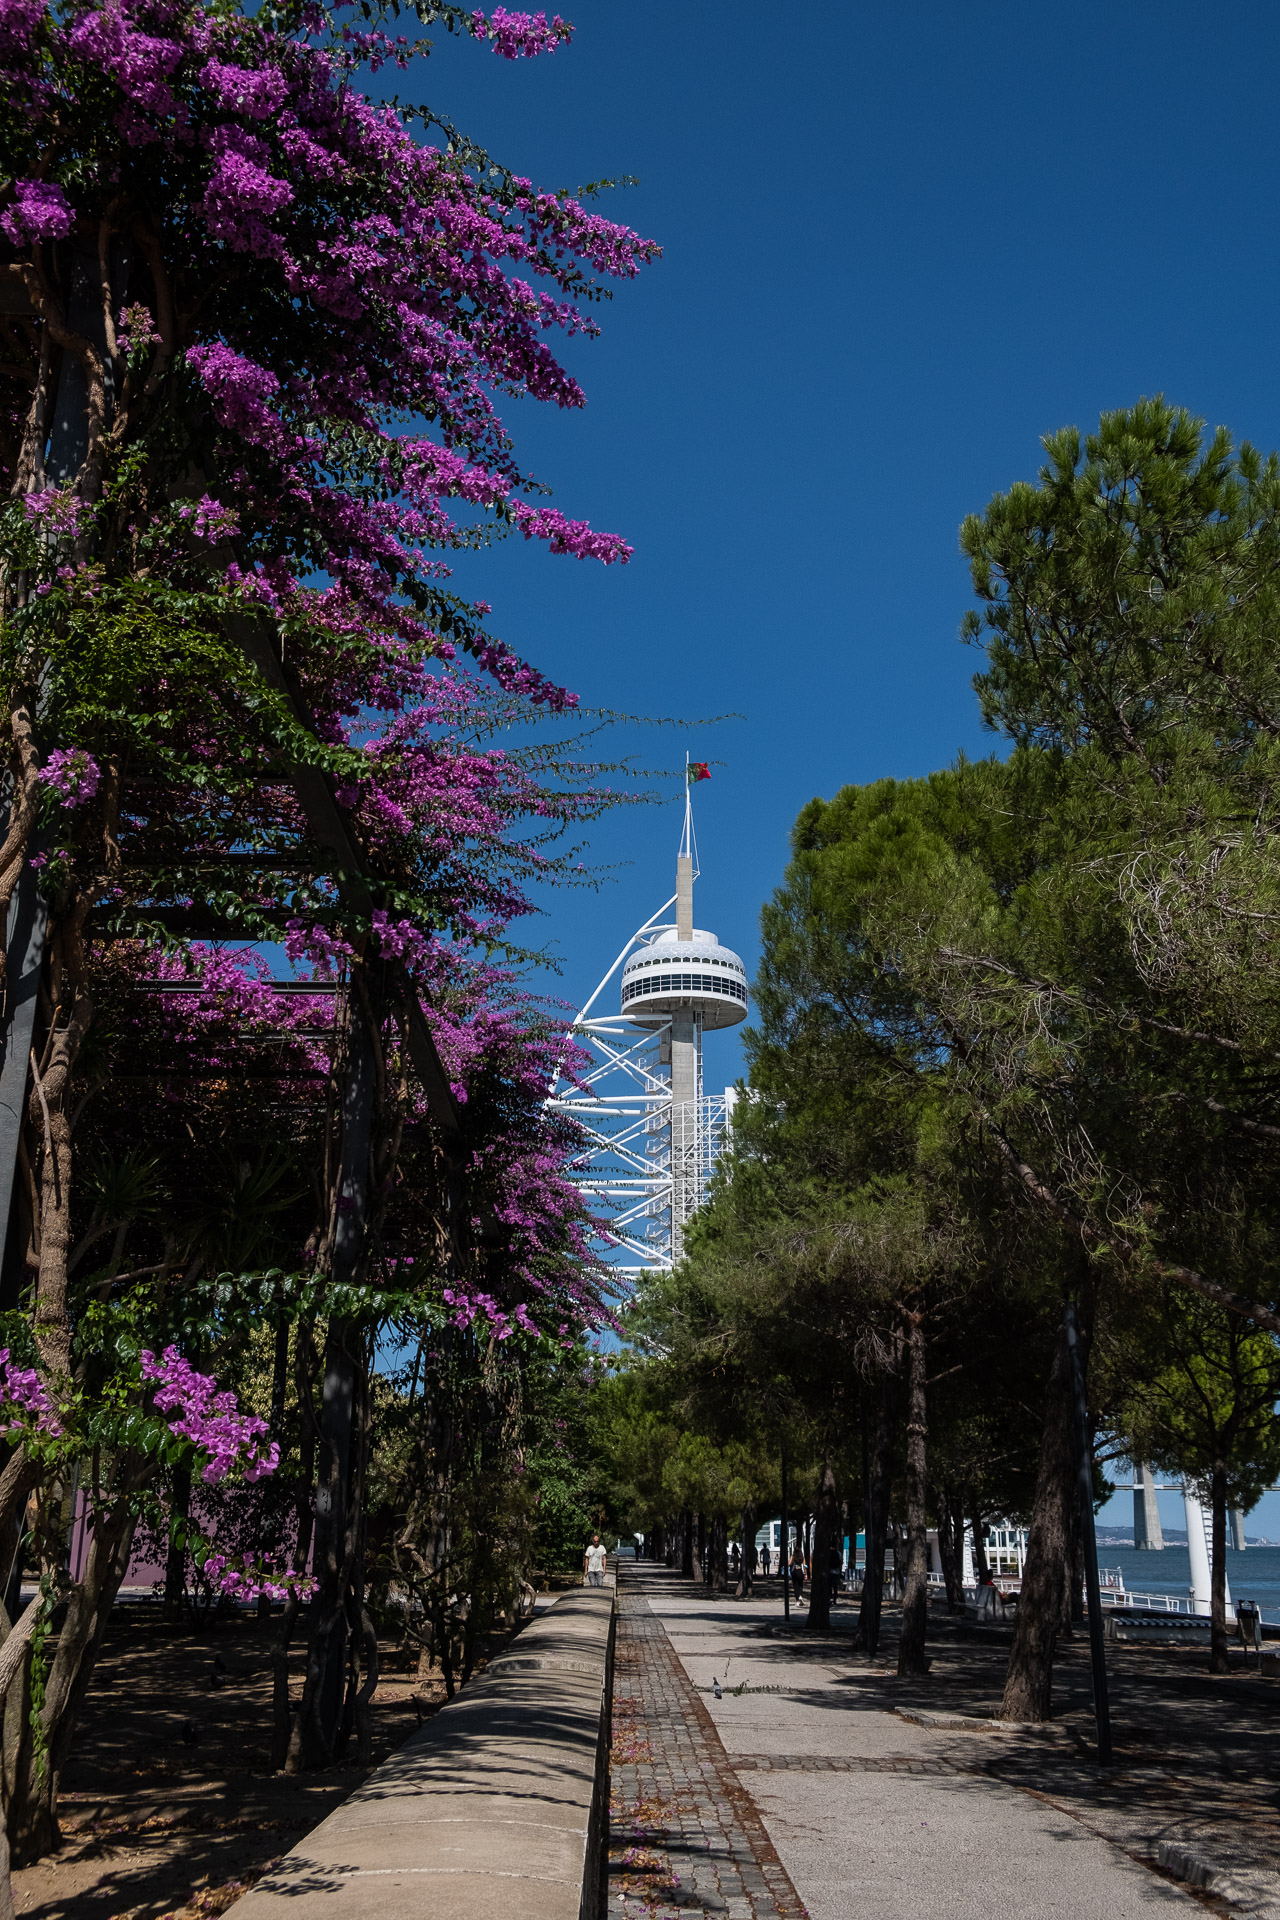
x=686, y=838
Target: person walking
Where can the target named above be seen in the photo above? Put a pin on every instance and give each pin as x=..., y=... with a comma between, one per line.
x=593, y=1562
x=797, y=1572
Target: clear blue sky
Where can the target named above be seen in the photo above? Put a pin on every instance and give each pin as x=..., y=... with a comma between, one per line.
x=901, y=243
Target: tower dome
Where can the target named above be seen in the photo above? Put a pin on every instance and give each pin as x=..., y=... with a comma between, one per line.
x=670, y=977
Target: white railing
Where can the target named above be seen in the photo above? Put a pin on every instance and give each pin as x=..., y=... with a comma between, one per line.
x=1144, y=1602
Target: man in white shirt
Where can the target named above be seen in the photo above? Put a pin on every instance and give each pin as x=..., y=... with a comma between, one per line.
x=593, y=1562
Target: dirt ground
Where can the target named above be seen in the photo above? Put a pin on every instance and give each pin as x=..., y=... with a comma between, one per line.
x=155, y=1825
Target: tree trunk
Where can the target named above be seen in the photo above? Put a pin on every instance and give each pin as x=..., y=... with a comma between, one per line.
x=686, y=1544
x=1218, y=1661
x=13, y=1663
x=981, y=1569
x=746, y=1536
x=700, y=1549
x=1028, y=1687
x=49, y=1131
x=950, y=1547
x=827, y=1521
x=31, y=1815
x=1073, y=1586
x=715, y=1563
x=319, y=1722
x=281, y=1711
x=175, y=1566
x=279, y=1378
x=915, y=1604
x=877, y=1516
x=6, y=1886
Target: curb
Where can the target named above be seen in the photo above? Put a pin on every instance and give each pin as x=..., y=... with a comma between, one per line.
x=1248, y=1889
x=968, y=1722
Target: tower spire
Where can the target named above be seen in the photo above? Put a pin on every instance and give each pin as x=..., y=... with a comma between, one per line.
x=686, y=864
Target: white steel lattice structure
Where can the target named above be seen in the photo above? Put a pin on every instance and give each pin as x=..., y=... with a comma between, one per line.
x=652, y=1134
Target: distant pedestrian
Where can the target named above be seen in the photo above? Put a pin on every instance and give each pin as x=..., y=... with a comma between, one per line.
x=593, y=1562
x=797, y=1572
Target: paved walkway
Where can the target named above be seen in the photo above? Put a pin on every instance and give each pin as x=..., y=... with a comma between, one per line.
x=684, y=1833
x=803, y=1792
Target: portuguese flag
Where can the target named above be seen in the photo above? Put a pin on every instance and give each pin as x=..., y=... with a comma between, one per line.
x=698, y=770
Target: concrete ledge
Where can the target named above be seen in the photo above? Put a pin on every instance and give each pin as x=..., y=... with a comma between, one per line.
x=1128, y=1627
x=497, y=1807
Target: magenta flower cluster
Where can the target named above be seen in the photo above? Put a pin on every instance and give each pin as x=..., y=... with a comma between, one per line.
x=40, y=211
x=416, y=280
x=210, y=1419
x=25, y=1401
x=72, y=774
x=55, y=510
x=514, y=34
x=210, y=520
x=135, y=328
x=249, y=1583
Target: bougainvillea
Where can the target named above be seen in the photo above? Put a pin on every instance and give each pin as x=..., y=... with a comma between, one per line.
x=24, y=1399
x=211, y=1420
x=270, y=322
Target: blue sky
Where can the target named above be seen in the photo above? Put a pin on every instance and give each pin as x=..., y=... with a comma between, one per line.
x=900, y=245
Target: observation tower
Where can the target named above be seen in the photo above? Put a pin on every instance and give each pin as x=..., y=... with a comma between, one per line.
x=652, y=1135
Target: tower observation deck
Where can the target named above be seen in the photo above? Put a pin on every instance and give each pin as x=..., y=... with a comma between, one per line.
x=651, y=1133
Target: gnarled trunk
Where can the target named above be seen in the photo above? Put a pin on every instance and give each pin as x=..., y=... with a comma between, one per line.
x=31, y=1809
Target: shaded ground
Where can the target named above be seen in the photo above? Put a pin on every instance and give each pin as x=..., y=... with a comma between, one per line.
x=155, y=1826
x=818, y=1735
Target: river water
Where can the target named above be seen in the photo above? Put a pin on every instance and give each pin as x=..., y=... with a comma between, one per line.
x=1253, y=1574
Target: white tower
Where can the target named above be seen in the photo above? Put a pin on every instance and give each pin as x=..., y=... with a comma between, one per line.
x=651, y=1134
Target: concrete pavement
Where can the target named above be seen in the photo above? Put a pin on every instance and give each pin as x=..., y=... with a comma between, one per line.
x=869, y=1813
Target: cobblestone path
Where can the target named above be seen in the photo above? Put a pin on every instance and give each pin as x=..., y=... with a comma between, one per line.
x=684, y=1835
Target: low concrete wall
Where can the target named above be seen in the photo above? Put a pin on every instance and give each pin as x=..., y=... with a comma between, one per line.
x=496, y=1809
